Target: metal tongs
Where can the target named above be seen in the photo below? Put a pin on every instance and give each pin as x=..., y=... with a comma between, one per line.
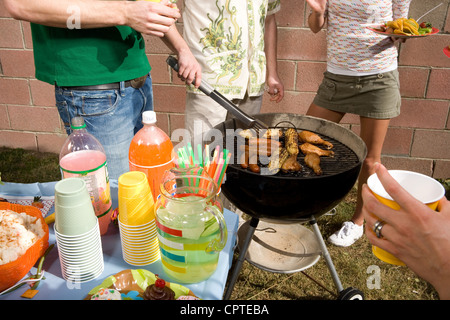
x=248, y=121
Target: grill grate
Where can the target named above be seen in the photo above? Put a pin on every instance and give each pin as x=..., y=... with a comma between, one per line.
x=344, y=158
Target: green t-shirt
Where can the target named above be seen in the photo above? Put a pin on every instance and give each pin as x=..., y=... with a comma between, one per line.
x=82, y=57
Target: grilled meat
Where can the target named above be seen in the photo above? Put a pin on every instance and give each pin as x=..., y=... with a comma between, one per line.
x=312, y=160
x=308, y=136
x=310, y=148
x=291, y=164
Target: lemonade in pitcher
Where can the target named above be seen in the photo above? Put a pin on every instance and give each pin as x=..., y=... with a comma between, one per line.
x=190, y=224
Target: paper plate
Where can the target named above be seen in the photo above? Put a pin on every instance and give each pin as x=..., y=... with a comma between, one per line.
x=136, y=280
x=402, y=36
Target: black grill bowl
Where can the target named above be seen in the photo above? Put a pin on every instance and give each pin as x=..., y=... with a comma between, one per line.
x=292, y=198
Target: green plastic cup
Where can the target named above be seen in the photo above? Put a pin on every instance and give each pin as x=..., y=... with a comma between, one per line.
x=74, y=213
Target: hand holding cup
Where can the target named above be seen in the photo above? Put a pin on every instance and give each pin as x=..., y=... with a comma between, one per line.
x=413, y=232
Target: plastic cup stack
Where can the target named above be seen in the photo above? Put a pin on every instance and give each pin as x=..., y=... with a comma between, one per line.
x=137, y=226
x=77, y=232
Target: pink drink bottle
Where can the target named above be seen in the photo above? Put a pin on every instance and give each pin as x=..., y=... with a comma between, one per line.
x=83, y=156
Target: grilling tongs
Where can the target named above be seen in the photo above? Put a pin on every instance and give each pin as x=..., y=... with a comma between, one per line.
x=207, y=89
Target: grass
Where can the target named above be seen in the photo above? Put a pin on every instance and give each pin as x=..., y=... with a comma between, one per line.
x=353, y=264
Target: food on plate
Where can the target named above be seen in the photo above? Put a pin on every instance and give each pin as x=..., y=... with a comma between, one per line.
x=18, y=232
x=405, y=26
x=425, y=27
x=291, y=141
x=291, y=164
x=159, y=291
x=312, y=160
x=107, y=294
x=311, y=137
x=310, y=148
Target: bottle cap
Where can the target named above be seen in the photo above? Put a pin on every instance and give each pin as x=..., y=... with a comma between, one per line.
x=149, y=117
x=77, y=123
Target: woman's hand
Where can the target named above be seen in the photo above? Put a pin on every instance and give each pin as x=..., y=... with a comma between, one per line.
x=415, y=234
x=316, y=19
x=317, y=5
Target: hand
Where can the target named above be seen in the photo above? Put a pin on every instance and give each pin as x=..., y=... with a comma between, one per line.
x=275, y=88
x=151, y=18
x=189, y=70
x=415, y=234
x=402, y=40
x=317, y=5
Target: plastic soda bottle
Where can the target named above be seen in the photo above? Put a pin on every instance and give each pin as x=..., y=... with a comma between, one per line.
x=83, y=156
x=151, y=152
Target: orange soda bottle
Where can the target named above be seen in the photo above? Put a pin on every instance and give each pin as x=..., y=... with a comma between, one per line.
x=151, y=152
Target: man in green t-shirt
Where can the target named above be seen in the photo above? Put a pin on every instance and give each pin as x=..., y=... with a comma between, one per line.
x=93, y=52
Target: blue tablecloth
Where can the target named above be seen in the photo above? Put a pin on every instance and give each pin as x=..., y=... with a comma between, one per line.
x=54, y=287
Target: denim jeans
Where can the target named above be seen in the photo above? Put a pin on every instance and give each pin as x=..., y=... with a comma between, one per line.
x=112, y=116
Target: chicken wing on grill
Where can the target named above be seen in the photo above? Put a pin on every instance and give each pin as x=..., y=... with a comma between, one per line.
x=308, y=136
x=312, y=160
x=310, y=148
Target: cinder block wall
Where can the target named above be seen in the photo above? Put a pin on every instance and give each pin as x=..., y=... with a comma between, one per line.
x=417, y=140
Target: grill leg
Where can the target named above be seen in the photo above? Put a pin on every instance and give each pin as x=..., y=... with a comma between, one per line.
x=241, y=258
x=326, y=254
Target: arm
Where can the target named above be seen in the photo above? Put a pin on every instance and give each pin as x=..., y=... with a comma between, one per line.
x=415, y=234
x=317, y=18
x=276, y=88
x=146, y=17
x=190, y=69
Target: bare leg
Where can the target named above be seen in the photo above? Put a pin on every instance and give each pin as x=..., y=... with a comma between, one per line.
x=319, y=112
x=373, y=133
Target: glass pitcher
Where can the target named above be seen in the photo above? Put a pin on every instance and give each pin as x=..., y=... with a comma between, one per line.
x=190, y=224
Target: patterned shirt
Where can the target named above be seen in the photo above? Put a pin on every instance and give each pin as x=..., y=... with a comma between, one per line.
x=227, y=39
x=352, y=49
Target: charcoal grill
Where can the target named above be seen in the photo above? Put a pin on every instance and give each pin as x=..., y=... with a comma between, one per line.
x=290, y=198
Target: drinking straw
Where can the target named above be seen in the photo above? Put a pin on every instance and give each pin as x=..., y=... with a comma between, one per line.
x=212, y=168
x=222, y=173
x=191, y=154
x=206, y=156
x=215, y=167
x=200, y=155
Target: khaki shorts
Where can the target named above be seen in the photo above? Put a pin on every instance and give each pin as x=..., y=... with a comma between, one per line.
x=375, y=96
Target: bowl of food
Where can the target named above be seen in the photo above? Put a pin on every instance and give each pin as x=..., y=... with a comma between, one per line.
x=23, y=240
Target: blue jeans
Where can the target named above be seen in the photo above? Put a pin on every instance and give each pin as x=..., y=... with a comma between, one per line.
x=112, y=116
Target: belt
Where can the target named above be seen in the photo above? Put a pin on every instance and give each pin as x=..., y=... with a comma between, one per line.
x=135, y=83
